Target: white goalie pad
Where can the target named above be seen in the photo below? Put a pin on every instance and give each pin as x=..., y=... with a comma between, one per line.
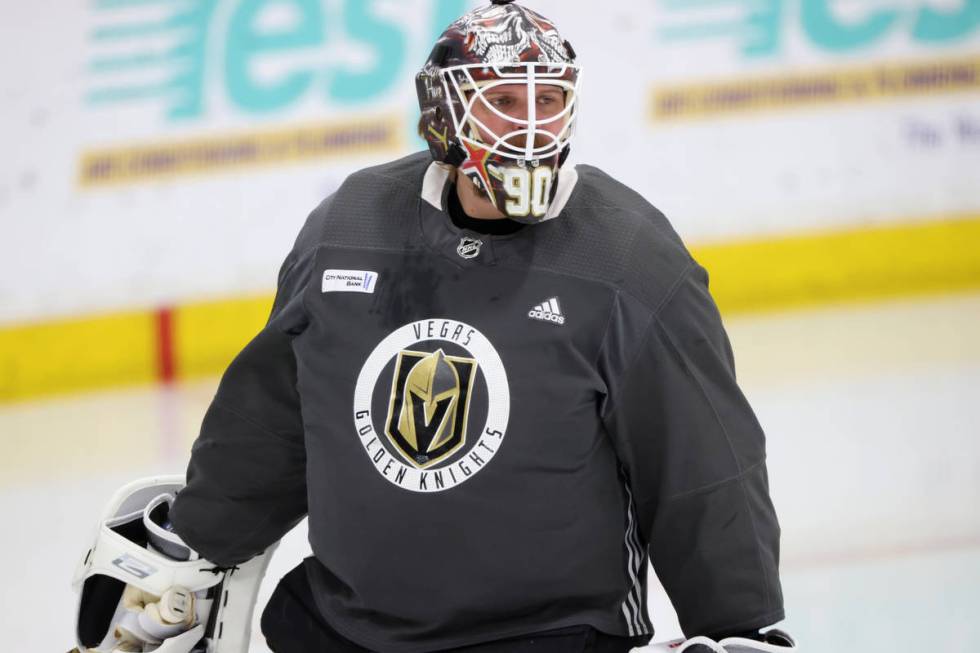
x=777, y=641
x=139, y=582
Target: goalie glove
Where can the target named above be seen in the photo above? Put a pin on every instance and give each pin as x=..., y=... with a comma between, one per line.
x=774, y=641
x=142, y=589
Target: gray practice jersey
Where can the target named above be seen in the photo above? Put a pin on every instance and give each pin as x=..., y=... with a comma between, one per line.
x=491, y=435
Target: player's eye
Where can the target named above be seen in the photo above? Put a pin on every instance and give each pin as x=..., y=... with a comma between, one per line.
x=551, y=104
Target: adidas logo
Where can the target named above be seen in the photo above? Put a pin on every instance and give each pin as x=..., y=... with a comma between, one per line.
x=549, y=311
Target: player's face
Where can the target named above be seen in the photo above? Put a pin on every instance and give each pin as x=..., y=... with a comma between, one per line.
x=512, y=101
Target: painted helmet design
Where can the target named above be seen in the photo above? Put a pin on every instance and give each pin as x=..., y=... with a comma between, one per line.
x=501, y=45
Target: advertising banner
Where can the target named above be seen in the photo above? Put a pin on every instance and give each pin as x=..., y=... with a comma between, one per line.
x=162, y=151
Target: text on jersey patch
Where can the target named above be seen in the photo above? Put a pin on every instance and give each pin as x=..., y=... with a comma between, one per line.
x=349, y=281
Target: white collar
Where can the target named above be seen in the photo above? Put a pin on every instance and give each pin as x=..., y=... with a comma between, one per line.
x=439, y=174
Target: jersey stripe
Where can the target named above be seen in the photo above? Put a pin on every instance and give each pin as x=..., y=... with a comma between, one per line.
x=630, y=607
x=641, y=568
x=634, y=607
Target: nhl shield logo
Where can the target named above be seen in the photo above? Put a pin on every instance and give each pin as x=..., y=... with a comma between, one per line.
x=431, y=405
x=469, y=248
x=430, y=398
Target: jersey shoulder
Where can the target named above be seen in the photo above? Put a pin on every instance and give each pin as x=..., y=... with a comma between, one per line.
x=368, y=209
x=405, y=173
x=611, y=233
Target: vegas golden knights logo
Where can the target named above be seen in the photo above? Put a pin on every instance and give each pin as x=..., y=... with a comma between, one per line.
x=428, y=421
x=429, y=406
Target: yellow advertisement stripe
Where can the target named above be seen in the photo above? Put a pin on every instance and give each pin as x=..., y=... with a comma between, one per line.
x=208, y=335
x=874, y=262
x=165, y=160
x=79, y=354
x=915, y=258
x=816, y=88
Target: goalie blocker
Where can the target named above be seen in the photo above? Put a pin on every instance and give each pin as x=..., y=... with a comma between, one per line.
x=142, y=589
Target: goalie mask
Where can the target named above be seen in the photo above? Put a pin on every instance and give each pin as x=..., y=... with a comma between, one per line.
x=142, y=589
x=499, y=97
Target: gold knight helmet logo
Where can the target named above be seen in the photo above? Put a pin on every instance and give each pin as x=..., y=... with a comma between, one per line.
x=429, y=405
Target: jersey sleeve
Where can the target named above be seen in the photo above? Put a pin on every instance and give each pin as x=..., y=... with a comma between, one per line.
x=694, y=456
x=246, y=480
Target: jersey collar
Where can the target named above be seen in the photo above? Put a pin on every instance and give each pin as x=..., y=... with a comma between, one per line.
x=437, y=178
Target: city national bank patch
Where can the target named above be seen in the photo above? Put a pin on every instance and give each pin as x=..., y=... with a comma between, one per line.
x=362, y=281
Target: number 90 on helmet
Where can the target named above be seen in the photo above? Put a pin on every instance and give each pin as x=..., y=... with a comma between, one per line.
x=511, y=149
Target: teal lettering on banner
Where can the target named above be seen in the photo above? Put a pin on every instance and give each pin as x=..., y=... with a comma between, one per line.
x=764, y=23
x=121, y=49
x=247, y=43
x=934, y=26
x=830, y=33
x=189, y=101
x=387, y=44
x=227, y=46
x=758, y=28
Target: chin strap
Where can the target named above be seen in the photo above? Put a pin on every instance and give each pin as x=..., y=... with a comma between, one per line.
x=564, y=155
x=456, y=155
